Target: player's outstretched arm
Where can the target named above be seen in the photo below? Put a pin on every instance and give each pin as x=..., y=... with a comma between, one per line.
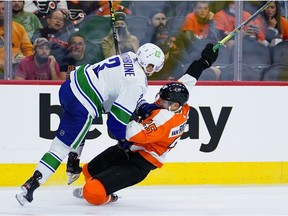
x=208, y=57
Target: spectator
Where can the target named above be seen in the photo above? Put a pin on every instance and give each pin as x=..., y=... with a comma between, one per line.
x=199, y=24
x=56, y=34
x=225, y=23
x=76, y=55
x=127, y=41
x=156, y=18
x=40, y=66
x=42, y=8
x=104, y=8
x=172, y=69
x=275, y=26
x=27, y=19
x=21, y=45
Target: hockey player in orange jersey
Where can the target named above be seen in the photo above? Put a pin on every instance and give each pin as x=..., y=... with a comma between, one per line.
x=147, y=141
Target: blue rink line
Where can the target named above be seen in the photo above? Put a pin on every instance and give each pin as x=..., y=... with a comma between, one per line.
x=161, y=200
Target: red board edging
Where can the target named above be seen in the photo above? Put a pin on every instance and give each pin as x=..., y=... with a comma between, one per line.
x=199, y=83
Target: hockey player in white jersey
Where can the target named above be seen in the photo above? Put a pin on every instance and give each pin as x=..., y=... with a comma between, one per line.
x=112, y=86
x=149, y=139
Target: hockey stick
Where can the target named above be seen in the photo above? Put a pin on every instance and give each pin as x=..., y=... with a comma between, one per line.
x=114, y=30
x=236, y=30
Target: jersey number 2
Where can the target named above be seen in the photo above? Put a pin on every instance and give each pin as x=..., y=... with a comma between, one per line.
x=112, y=62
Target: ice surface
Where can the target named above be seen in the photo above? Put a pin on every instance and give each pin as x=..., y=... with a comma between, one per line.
x=158, y=201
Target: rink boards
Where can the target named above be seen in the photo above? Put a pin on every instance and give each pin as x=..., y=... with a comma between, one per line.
x=236, y=134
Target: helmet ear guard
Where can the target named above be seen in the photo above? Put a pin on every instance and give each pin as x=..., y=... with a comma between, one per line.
x=150, y=54
x=174, y=92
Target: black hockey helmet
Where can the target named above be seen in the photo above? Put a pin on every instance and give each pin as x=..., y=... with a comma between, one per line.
x=174, y=92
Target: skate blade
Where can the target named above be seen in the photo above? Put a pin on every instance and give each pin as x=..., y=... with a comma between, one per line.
x=21, y=199
x=78, y=192
x=72, y=177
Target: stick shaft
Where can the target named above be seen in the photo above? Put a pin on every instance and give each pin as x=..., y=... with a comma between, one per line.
x=236, y=30
x=114, y=30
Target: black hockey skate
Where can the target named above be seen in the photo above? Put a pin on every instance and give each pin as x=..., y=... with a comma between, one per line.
x=114, y=197
x=73, y=168
x=28, y=188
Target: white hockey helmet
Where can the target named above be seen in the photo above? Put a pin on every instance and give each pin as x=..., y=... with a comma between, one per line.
x=150, y=54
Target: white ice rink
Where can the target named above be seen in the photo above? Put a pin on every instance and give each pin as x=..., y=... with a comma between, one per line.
x=178, y=201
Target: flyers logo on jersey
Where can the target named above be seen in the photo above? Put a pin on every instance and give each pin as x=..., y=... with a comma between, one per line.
x=177, y=131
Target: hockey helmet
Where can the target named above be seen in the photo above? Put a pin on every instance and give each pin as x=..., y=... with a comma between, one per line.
x=150, y=54
x=174, y=92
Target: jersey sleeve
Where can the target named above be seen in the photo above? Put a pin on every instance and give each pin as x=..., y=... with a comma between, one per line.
x=188, y=81
x=122, y=110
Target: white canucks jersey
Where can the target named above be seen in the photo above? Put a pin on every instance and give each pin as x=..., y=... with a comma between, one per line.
x=113, y=85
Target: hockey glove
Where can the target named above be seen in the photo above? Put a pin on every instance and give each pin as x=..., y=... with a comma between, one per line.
x=124, y=144
x=144, y=109
x=208, y=56
x=73, y=168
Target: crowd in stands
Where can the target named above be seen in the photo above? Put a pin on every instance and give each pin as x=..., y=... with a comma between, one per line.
x=126, y=41
x=53, y=37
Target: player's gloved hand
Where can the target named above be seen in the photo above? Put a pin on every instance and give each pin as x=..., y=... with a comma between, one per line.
x=208, y=56
x=144, y=109
x=124, y=144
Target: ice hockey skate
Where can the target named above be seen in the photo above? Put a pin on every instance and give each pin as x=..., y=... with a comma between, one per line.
x=78, y=192
x=114, y=197
x=73, y=168
x=28, y=189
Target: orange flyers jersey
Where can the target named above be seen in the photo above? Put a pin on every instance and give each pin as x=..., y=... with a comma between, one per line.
x=226, y=22
x=284, y=27
x=191, y=24
x=155, y=136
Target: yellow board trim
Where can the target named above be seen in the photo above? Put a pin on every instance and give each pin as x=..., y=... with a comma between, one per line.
x=171, y=174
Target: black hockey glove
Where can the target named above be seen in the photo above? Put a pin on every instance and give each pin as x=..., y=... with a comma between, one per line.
x=144, y=109
x=124, y=144
x=208, y=56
